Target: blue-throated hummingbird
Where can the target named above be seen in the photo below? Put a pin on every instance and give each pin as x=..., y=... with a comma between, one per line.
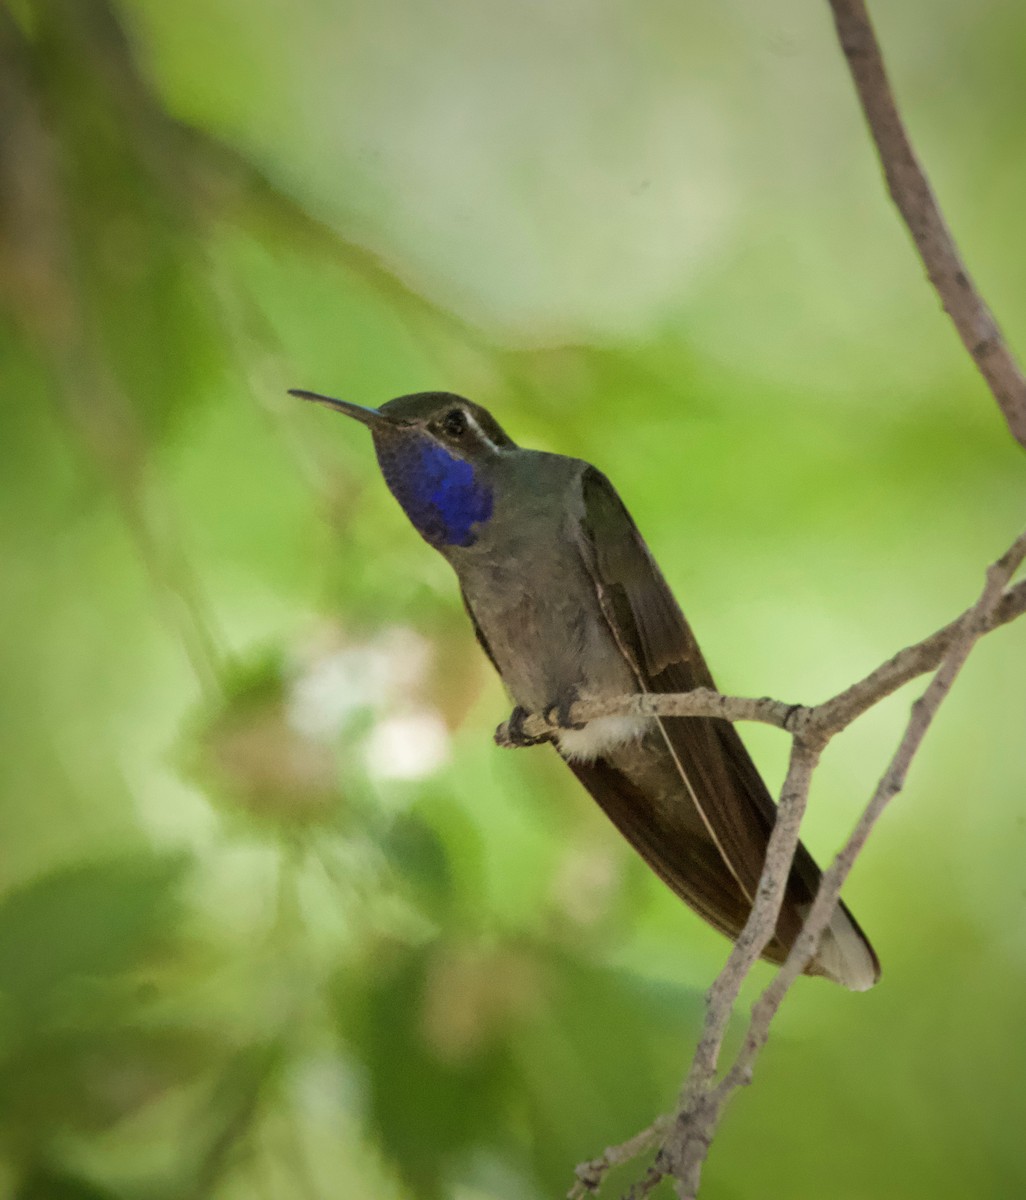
x=568, y=603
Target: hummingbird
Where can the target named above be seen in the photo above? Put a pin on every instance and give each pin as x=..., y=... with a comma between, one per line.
x=569, y=604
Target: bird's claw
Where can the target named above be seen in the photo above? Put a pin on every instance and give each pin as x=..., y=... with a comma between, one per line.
x=511, y=735
x=559, y=713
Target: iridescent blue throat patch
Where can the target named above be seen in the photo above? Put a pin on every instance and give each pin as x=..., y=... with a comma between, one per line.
x=439, y=493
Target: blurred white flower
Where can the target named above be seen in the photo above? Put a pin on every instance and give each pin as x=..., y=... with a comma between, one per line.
x=333, y=683
x=408, y=746
x=386, y=676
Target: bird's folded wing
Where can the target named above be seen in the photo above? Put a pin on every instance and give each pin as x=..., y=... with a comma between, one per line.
x=716, y=771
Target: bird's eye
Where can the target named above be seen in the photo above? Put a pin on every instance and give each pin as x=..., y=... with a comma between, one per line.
x=454, y=423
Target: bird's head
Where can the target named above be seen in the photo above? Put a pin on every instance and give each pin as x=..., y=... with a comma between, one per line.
x=437, y=452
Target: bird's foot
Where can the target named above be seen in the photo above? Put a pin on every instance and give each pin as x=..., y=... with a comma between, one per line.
x=511, y=734
x=559, y=713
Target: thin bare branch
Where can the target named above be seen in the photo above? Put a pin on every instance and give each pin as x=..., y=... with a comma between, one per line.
x=699, y=1110
x=911, y=192
x=589, y=1175
x=762, y=921
x=702, y=702
x=813, y=723
x=756, y=935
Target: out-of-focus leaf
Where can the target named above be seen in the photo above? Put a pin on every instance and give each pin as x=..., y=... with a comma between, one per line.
x=473, y=1050
x=436, y=852
x=53, y=1185
x=432, y=1037
x=82, y=921
x=601, y=1061
x=90, y=1075
x=79, y=1051
x=230, y=1114
x=127, y=218
x=251, y=754
x=420, y=859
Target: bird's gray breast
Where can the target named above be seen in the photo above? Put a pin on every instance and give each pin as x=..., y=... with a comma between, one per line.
x=536, y=602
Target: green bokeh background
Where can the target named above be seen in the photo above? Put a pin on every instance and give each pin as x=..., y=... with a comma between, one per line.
x=276, y=918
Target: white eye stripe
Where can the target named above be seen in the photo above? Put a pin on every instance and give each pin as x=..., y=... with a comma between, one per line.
x=472, y=422
x=470, y=426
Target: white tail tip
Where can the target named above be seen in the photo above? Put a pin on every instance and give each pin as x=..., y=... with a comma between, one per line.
x=844, y=955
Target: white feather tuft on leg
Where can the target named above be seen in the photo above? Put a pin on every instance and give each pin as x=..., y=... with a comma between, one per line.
x=599, y=736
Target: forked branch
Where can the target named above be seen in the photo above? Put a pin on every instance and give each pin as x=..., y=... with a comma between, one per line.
x=684, y=1139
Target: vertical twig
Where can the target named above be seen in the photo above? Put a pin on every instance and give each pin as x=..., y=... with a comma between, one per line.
x=911, y=192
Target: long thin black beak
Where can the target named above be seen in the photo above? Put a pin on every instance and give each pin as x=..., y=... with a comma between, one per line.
x=366, y=416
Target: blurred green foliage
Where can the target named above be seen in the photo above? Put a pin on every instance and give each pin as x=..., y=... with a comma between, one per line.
x=276, y=919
